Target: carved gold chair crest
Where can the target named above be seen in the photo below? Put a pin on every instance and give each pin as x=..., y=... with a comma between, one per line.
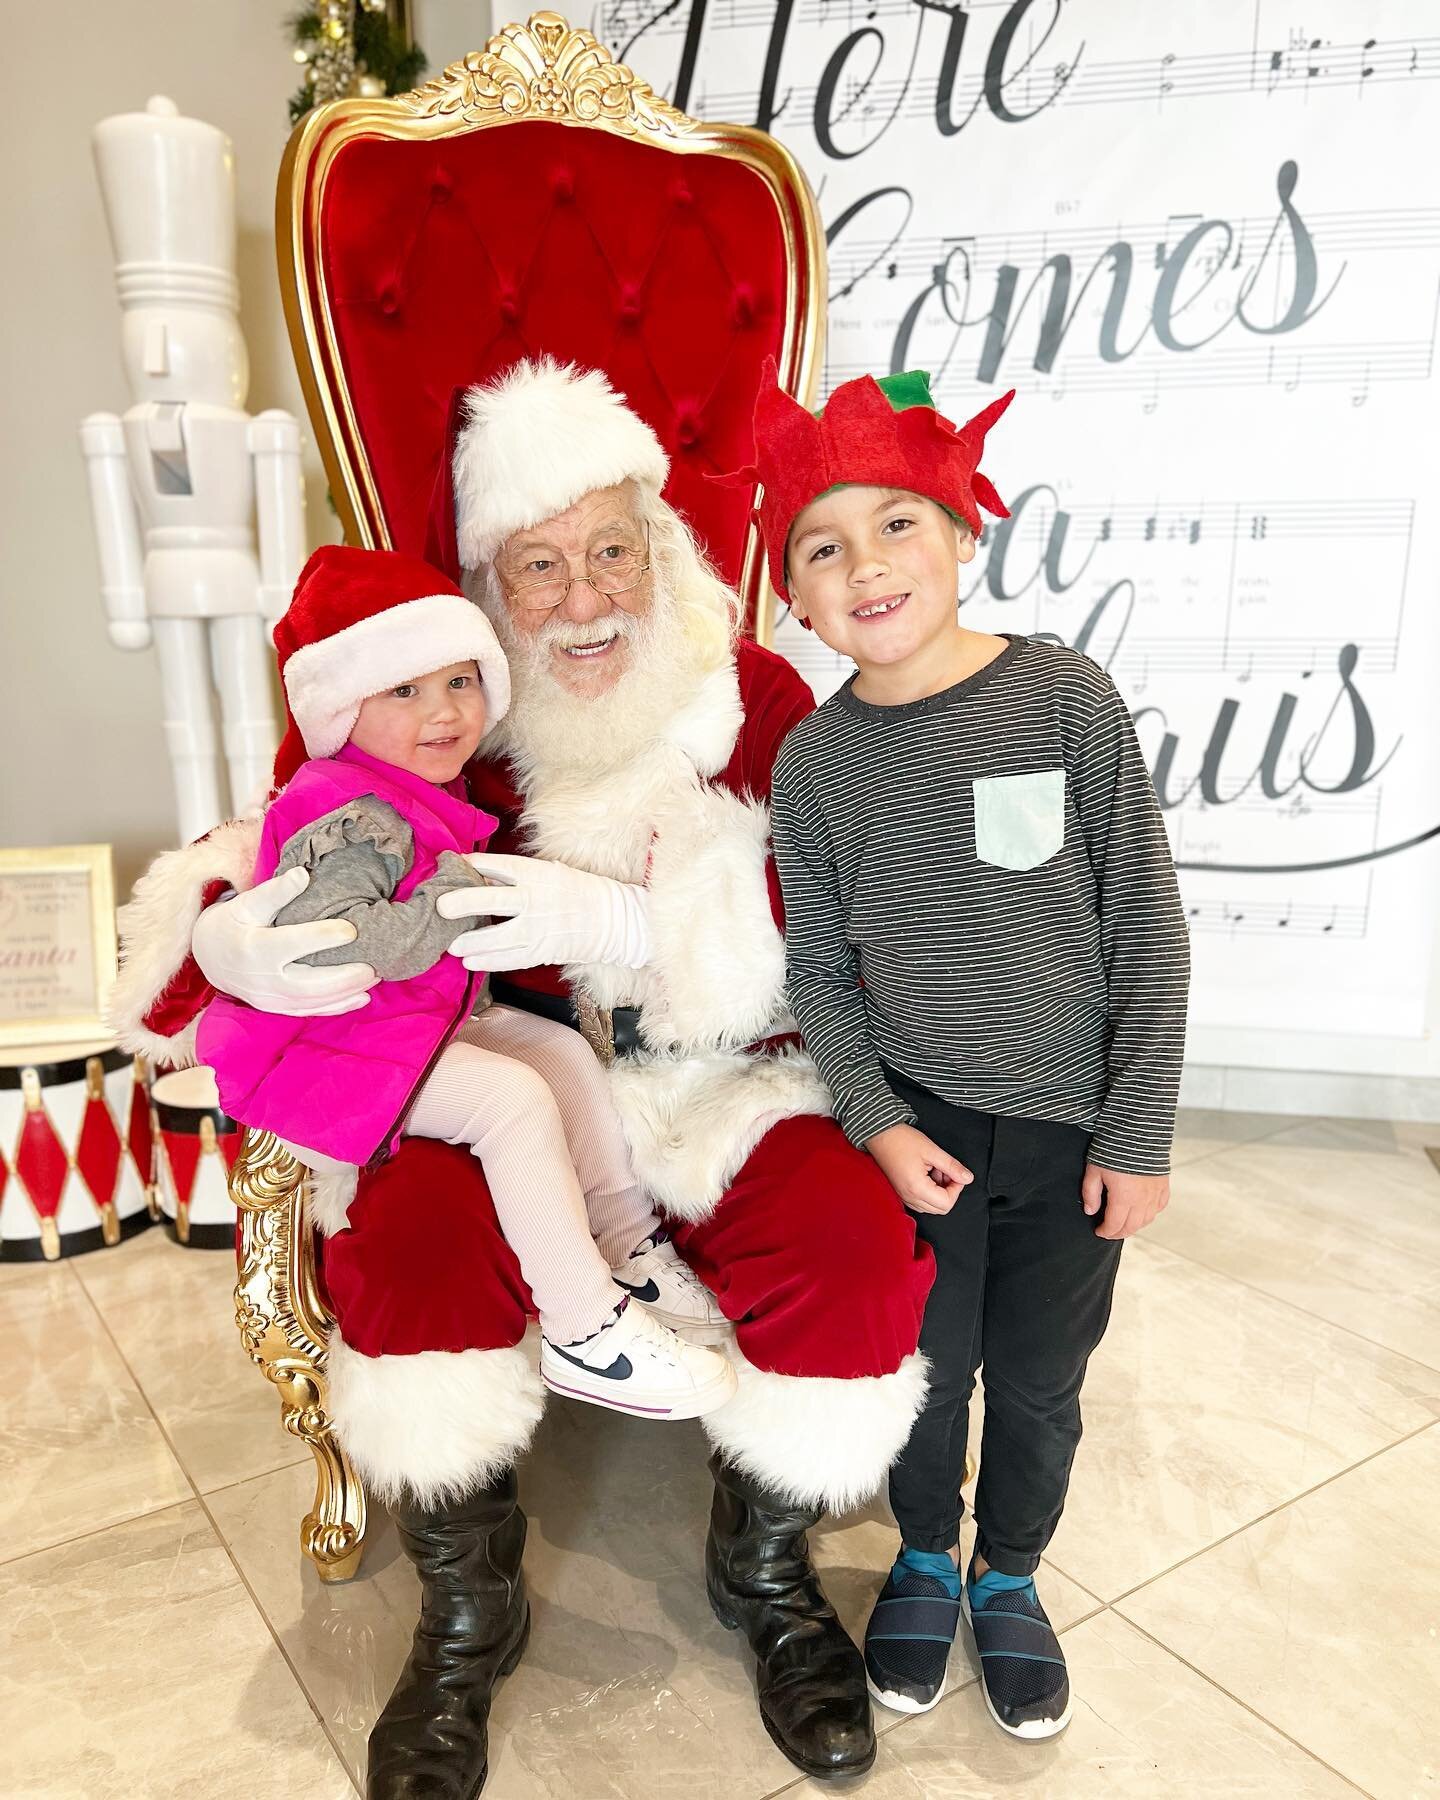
x=537, y=197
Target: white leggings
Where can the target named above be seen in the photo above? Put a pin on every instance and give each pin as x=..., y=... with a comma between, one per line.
x=530, y=1099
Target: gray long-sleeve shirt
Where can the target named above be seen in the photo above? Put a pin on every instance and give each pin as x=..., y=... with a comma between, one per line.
x=979, y=893
x=356, y=856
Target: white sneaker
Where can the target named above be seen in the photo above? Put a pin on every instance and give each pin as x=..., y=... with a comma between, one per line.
x=638, y=1366
x=669, y=1289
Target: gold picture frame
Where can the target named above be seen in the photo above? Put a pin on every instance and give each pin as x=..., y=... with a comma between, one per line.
x=57, y=944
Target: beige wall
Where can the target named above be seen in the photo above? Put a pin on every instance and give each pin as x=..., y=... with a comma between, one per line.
x=81, y=758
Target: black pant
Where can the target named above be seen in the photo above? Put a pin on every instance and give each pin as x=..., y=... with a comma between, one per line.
x=1022, y=1287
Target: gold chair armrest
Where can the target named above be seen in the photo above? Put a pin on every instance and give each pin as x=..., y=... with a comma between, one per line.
x=285, y=1327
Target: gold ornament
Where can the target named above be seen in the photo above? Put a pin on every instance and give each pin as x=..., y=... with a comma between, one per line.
x=549, y=69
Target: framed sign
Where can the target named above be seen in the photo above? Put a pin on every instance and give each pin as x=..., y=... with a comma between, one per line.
x=57, y=943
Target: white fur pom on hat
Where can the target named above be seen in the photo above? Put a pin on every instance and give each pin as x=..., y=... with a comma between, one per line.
x=363, y=621
x=534, y=442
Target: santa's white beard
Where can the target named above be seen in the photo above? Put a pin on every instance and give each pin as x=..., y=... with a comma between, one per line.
x=552, y=731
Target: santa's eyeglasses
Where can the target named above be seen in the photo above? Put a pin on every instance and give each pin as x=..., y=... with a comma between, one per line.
x=615, y=569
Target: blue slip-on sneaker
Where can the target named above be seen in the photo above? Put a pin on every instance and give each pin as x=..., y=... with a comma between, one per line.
x=1022, y=1667
x=911, y=1629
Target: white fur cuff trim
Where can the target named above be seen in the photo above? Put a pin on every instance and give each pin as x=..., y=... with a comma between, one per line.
x=435, y=1425
x=819, y=1440
x=691, y=1122
x=332, y=1188
x=717, y=959
x=155, y=927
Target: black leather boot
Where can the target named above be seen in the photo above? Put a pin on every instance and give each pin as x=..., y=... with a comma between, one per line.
x=810, y=1678
x=432, y=1740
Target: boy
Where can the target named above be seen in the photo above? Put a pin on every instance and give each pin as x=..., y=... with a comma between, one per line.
x=988, y=960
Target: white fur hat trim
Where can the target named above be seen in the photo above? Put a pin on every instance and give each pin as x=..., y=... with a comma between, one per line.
x=537, y=440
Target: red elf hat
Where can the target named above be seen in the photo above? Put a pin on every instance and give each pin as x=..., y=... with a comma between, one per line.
x=871, y=433
x=361, y=621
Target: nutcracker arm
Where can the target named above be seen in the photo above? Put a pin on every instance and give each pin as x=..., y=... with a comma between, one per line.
x=117, y=531
x=279, y=508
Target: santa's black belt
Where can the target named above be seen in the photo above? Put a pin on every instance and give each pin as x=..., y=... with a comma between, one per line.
x=610, y=1032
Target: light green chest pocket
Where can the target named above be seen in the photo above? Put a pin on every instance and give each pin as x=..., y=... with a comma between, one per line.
x=1020, y=819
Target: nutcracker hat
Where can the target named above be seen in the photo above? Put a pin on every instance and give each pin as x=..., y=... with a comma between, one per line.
x=526, y=446
x=871, y=433
x=360, y=622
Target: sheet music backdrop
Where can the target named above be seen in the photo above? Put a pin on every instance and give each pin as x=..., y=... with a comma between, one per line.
x=1203, y=242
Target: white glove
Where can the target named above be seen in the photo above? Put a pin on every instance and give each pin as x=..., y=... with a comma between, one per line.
x=241, y=953
x=549, y=913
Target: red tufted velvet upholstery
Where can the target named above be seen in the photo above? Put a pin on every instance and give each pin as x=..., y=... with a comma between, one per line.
x=447, y=260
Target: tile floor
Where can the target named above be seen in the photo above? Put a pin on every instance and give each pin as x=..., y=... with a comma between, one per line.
x=1245, y=1578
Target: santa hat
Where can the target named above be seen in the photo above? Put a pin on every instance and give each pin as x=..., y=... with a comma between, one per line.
x=871, y=433
x=527, y=446
x=362, y=621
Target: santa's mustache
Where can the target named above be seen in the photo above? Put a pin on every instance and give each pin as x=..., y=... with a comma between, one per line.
x=567, y=634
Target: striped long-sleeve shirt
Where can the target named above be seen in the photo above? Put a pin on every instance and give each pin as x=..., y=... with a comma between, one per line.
x=979, y=893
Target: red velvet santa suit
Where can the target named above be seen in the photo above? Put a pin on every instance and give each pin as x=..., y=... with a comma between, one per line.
x=799, y=1235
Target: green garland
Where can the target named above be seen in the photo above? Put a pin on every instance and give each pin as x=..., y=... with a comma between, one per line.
x=381, y=50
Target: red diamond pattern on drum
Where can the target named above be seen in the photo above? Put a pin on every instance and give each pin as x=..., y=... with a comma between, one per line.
x=99, y=1151
x=142, y=1145
x=4, y=1176
x=183, y=1150
x=41, y=1163
x=229, y=1142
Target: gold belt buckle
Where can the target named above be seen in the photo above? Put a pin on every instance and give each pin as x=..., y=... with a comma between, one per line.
x=597, y=1027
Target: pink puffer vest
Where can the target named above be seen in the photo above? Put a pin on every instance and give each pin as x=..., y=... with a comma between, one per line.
x=344, y=1086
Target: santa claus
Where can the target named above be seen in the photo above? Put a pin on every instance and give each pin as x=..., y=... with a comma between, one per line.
x=629, y=891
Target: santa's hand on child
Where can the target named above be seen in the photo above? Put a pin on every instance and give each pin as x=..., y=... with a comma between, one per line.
x=243, y=953
x=547, y=914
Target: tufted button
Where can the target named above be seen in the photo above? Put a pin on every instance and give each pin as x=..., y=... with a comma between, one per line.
x=630, y=306
x=742, y=306
x=687, y=431
x=441, y=188
x=680, y=193
x=562, y=185
x=509, y=308
x=389, y=299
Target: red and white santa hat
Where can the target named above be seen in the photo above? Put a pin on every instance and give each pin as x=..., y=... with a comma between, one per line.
x=362, y=621
x=526, y=446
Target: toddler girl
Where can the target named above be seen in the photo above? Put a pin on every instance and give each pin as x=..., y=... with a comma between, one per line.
x=392, y=678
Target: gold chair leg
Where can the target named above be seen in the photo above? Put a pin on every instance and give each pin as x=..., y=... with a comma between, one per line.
x=332, y=1533
x=285, y=1326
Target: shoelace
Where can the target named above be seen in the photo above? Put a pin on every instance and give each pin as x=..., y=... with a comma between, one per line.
x=690, y=1281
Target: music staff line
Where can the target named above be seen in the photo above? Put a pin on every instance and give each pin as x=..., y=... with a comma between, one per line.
x=1359, y=803
x=1159, y=79
x=1262, y=918
x=618, y=18
x=1401, y=229
x=1245, y=657
x=1152, y=371
x=1201, y=521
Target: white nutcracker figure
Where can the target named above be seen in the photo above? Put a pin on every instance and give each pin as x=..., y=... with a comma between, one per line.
x=185, y=483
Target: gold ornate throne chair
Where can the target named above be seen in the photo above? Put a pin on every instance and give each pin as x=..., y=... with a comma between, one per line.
x=535, y=198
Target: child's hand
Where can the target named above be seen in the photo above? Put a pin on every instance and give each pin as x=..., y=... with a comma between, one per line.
x=925, y=1177
x=1130, y=1201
